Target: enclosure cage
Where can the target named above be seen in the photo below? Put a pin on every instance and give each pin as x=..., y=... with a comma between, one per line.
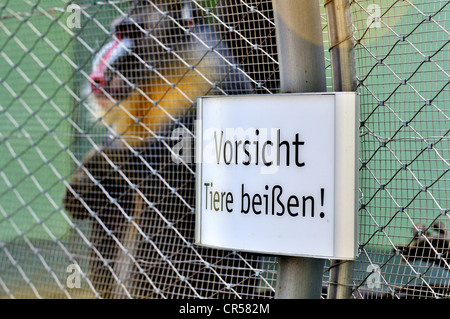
x=95, y=95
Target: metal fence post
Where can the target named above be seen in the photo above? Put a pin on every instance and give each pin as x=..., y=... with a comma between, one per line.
x=302, y=69
x=344, y=79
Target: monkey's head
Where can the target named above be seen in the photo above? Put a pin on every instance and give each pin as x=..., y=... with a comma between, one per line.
x=157, y=63
x=126, y=61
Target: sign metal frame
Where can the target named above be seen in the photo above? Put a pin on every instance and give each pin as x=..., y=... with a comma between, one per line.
x=345, y=179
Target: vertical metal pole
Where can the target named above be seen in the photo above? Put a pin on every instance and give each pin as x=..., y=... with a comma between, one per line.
x=344, y=79
x=302, y=69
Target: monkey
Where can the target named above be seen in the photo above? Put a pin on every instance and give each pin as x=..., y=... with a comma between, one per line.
x=253, y=40
x=432, y=244
x=144, y=83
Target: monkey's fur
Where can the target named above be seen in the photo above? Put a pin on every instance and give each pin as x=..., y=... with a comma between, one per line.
x=431, y=245
x=144, y=83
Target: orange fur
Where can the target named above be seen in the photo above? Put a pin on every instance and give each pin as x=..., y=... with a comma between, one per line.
x=137, y=118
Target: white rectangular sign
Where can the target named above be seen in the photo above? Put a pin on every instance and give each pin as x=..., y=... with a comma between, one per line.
x=276, y=174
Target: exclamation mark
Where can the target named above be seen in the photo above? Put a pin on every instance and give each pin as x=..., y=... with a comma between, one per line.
x=322, y=196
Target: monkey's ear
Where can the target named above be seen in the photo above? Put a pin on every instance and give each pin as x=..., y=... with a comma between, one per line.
x=125, y=28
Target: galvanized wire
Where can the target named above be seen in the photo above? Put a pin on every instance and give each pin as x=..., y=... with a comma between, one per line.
x=136, y=245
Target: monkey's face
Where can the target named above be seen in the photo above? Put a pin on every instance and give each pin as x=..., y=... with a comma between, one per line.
x=123, y=64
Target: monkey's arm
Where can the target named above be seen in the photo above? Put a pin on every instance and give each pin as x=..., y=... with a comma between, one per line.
x=95, y=182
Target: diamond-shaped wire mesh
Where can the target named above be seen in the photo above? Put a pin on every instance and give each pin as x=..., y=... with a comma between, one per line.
x=94, y=201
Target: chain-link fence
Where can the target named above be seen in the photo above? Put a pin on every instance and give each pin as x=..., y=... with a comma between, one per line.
x=403, y=64
x=95, y=97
